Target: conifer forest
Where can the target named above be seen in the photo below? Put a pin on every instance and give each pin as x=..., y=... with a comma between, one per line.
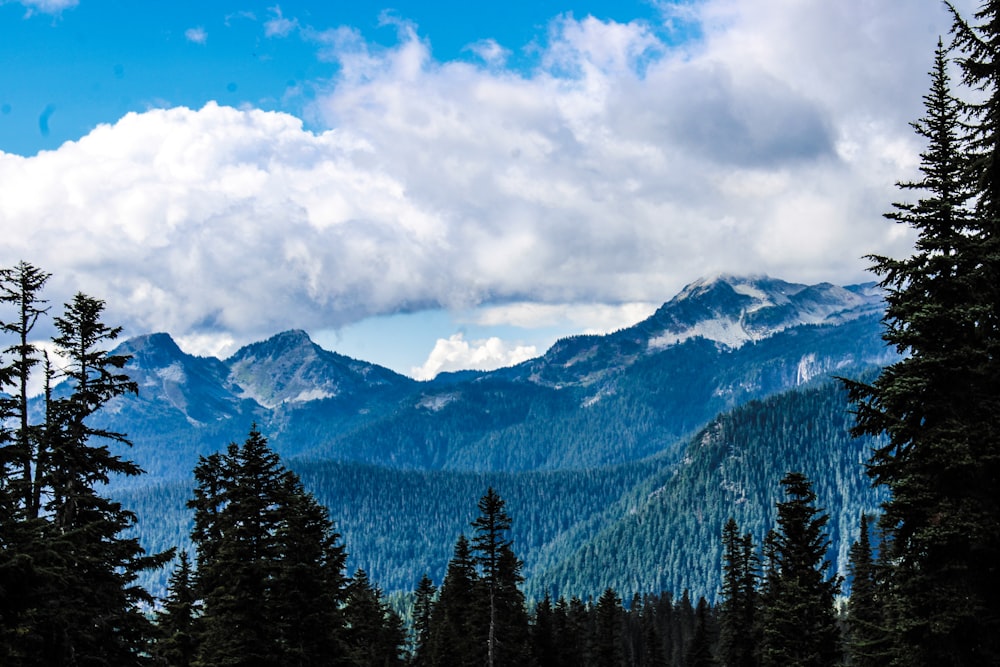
x=261, y=575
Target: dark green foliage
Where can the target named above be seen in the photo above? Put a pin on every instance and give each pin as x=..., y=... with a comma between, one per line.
x=500, y=578
x=868, y=641
x=423, y=605
x=456, y=636
x=798, y=620
x=647, y=541
x=21, y=287
x=270, y=567
x=177, y=620
x=699, y=652
x=544, y=646
x=938, y=406
x=67, y=573
x=737, y=611
x=374, y=636
x=606, y=647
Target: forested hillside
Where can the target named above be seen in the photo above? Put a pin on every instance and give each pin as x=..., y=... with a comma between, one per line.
x=666, y=534
x=630, y=526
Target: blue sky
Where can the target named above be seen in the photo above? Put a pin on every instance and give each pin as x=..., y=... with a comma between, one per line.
x=90, y=62
x=434, y=186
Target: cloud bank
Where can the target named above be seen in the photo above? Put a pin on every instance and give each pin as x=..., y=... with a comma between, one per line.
x=616, y=170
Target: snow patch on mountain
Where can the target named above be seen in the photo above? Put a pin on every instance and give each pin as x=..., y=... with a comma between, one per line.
x=722, y=330
x=436, y=402
x=314, y=394
x=172, y=373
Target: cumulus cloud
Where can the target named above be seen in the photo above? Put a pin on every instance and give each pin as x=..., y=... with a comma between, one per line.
x=617, y=170
x=196, y=35
x=456, y=353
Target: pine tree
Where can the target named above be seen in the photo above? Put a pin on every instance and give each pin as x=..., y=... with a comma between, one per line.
x=938, y=405
x=91, y=612
x=423, y=606
x=374, y=634
x=606, y=644
x=269, y=564
x=177, y=620
x=543, y=637
x=507, y=629
x=456, y=636
x=798, y=618
x=738, y=608
x=21, y=286
x=699, y=652
x=867, y=642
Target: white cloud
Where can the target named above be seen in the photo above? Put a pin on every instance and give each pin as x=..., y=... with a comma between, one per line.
x=196, y=35
x=585, y=318
x=616, y=171
x=490, y=51
x=278, y=25
x=456, y=353
x=47, y=6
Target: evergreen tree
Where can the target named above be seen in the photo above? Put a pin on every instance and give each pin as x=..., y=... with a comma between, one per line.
x=699, y=652
x=177, y=620
x=455, y=633
x=606, y=645
x=738, y=607
x=867, y=642
x=21, y=286
x=572, y=629
x=374, y=634
x=938, y=405
x=543, y=637
x=799, y=625
x=270, y=569
x=507, y=629
x=423, y=605
x=654, y=653
x=91, y=610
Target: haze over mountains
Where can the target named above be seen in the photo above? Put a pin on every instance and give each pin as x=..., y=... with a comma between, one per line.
x=614, y=422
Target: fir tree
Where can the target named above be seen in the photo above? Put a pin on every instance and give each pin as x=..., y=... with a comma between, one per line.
x=91, y=612
x=738, y=607
x=374, y=634
x=21, y=286
x=455, y=633
x=606, y=645
x=423, y=605
x=177, y=621
x=699, y=652
x=798, y=618
x=543, y=637
x=270, y=568
x=938, y=405
x=507, y=628
x=866, y=636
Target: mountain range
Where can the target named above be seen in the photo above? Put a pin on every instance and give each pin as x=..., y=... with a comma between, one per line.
x=587, y=440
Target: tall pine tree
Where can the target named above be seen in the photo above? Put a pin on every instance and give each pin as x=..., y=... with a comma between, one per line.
x=738, y=608
x=507, y=622
x=938, y=406
x=269, y=565
x=798, y=620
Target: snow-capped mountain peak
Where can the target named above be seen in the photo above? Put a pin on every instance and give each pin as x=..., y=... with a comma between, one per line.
x=735, y=310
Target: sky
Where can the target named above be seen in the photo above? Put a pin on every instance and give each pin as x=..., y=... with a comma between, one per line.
x=447, y=185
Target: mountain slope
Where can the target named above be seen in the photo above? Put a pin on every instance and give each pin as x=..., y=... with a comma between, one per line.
x=666, y=534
